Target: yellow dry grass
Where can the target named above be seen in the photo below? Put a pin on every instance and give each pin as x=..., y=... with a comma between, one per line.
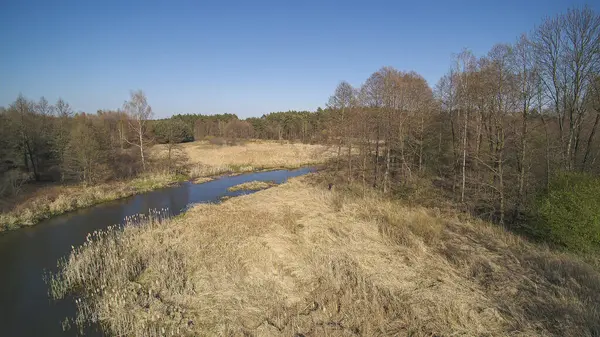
x=300, y=260
x=208, y=159
x=61, y=199
x=254, y=185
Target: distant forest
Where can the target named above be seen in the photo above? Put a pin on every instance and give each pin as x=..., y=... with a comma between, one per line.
x=44, y=142
x=493, y=131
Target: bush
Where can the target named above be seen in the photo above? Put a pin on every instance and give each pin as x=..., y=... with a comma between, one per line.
x=12, y=181
x=217, y=141
x=569, y=213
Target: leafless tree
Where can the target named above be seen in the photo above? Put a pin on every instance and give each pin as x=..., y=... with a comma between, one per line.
x=524, y=67
x=568, y=54
x=465, y=64
x=372, y=93
x=139, y=112
x=593, y=103
x=340, y=102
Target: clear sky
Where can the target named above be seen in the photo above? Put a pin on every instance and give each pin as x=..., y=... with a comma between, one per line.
x=243, y=57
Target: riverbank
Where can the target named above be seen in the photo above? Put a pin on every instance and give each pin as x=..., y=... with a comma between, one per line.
x=202, y=162
x=57, y=200
x=298, y=259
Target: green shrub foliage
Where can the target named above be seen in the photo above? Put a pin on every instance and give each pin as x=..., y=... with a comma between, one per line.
x=569, y=212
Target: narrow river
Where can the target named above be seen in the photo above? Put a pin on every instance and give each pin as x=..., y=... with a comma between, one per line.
x=26, y=254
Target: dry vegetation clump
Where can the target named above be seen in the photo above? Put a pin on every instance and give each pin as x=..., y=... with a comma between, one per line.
x=201, y=180
x=254, y=185
x=301, y=260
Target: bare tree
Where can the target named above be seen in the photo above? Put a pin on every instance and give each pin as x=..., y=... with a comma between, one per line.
x=447, y=95
x=465, y=63
x=372, y=93
x=503, y=93
x=340, y=102
x=568, y=55
x=523, y=65
x=139, y=112
x=593, y=103
x=64, y=115
x=43, y=107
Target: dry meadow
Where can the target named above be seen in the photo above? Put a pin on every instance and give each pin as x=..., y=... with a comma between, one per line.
x=299, y=260
x=207, y=159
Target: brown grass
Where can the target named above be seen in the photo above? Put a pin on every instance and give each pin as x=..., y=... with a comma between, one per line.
x=55, y=200
x=254, y=185
x=300, y=260
x=208, y=159
x=202, y=180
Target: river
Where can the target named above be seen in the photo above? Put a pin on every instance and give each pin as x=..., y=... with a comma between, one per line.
x=27, y=253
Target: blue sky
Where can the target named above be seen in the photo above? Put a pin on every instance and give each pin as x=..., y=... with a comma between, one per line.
x=243, y=57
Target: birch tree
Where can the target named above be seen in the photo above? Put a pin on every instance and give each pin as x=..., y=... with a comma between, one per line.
x=139, y=112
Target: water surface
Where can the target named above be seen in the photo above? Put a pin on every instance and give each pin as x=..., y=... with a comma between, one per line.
x=25, y=254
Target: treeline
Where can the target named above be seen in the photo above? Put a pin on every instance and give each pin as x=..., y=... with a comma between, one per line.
x=45, y=142
x=40, y=141
x=303, y=126
x=495, y=132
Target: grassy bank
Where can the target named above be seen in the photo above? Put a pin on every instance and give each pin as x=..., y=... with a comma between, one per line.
x=200, y=162
x=64, y=199
x=298, y=259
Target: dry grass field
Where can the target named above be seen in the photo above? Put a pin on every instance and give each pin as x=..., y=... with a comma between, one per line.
x=299, y=260
x=198, y=160
x=206, y=159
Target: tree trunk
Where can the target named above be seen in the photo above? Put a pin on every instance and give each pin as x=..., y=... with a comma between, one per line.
x=34, y=166
x=349, y=162
x=339, y=154
x=454, y=156
x=366, y=152
x=547, y=154
x=121, y=134
x=376, y=168
x=141, y=136
x=521, y=193
x=501, y=176
x=590, y=139
x=387, y=168
x=464, y=160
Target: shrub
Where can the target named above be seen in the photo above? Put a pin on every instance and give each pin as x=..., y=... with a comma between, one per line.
x=569, y=213
x=217, y=141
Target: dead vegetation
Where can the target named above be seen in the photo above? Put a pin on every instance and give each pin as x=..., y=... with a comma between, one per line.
x=49, y=201
x=300, y=260
x=254, y=185
x=208, y=159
